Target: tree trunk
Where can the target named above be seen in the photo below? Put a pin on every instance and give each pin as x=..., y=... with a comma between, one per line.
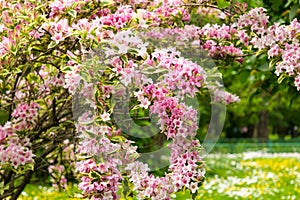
x=262, y=127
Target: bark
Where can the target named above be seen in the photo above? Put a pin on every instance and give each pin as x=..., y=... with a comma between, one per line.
x=262, y=127
x=25, y=181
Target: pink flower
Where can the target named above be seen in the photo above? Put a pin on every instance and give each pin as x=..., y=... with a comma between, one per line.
x=72, y=80
x=274, y=51
x=36, y=34
x=297, y=82
x=57, y=37
x=5, y=45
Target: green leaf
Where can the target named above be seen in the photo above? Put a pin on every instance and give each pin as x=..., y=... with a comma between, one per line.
x=16, y=70
x=52, y=44
x=293, y=11
x=281, y=78
x=223, y=3
x=254, y=94
x=259, y=52
x=73, y=13
x=66, y=69
x=111, y=28
x=32, y=78
x=244, y=75
x=274, y=61
x=24, y=17
x=2, y=187
x=264, y=67
x=118, y=139
x=85, y=76
x=3, y=117
x=107, y=2
x=288, y=3
x=4, y=72
x=124, y=59
x=153, y=70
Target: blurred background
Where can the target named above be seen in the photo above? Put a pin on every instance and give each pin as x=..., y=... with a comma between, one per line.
x=267, y=118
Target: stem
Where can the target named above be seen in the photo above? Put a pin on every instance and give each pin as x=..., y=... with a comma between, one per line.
x=26, y=180
x=13, y=97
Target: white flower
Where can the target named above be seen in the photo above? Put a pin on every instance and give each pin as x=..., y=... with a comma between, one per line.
x=139, y=94
x=105, y=116
x=2, y=27
x=123, y=49
x=193, y=187
x=104, y=129
x=145, y=103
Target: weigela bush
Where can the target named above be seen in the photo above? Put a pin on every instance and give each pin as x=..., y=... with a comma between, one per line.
x=99, y=55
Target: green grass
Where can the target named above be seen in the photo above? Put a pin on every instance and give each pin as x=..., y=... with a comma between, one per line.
x=239, y=177
x=229, y=176
x=40, y=192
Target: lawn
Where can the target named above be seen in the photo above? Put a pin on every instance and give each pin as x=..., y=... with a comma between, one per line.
x=229, y=176
x=252, y=176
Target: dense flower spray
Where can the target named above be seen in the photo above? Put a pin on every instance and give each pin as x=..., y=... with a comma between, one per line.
x=48, y=55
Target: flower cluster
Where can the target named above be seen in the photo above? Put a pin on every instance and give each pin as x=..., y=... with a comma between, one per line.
x=118, y=19
x=6, y=131
x=49, y=79
x=101, y=170
x=72, y=81
x=183, y=75
x=24, y=115
x=279, y=40
x=13, y=150
x=224, y=97
x=61, y=6
x=102, y=141
x=216, y=40
x=172, y=117
x=57, y=179
x=149, y=186
x=185, y=171
x=106, y=185
x=6, y=44
x=184, y=167
x=256, y=19
x=125, y=40
x=141, y=98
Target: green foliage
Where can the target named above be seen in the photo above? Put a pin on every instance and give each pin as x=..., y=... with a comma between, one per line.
x=223, y=3
x=3, y=116
x=282, y=11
